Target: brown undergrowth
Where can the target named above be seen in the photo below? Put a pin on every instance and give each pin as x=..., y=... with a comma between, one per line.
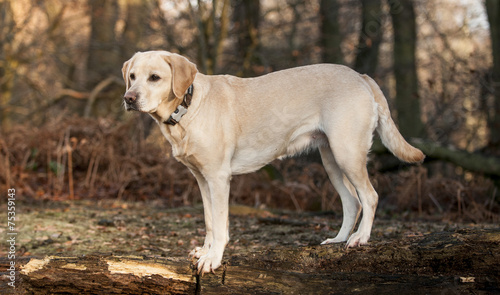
x=78, y=158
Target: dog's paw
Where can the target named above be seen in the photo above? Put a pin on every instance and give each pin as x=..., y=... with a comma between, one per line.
x=208, y=263
x=198, y=252
x=357, y=239
x=333, y=241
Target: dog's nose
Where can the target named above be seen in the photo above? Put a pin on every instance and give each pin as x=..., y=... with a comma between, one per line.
x=130, y=97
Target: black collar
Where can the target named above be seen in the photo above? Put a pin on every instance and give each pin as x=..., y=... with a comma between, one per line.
x=181, y=110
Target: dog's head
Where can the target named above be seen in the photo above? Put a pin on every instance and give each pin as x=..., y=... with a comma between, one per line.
x=156, y=78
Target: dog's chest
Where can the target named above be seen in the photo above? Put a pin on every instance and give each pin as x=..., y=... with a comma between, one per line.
x=176, y=139
x=179, y=141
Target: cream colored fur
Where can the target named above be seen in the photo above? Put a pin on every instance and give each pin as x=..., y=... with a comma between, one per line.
x=236, y=126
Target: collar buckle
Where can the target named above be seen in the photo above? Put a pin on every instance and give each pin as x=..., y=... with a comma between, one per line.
x=181, y=110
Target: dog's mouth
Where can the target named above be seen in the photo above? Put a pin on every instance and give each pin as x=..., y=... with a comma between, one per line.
x=131, y=107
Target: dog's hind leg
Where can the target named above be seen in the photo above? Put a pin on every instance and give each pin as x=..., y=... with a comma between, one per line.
x=352, y=162
x=349, y=128
x=350, y=202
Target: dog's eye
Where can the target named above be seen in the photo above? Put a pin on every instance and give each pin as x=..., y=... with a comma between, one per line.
x=132, y=76
x=154, y=78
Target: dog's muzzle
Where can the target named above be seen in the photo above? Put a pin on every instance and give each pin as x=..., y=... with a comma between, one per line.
x=130, y=98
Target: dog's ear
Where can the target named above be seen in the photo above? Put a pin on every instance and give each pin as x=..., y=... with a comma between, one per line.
x=125, y=70
x=183, y=73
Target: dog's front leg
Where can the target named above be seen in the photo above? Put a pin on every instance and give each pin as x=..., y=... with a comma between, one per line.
x=219, y=193
x=207, y=211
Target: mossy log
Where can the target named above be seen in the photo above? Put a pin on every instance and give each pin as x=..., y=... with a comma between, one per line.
x=475, y=162
x=458, y=261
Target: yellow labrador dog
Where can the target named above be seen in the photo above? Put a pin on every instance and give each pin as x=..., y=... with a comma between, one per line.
x=221, y=126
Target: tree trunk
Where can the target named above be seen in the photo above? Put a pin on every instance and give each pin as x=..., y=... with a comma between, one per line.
x=8, y=64
x=103, y=52
x=213, y=26
x=493, y=10
x=369, y=37
x=407, y=98
x=136, y=23
x=330, y=38
x=246, y=18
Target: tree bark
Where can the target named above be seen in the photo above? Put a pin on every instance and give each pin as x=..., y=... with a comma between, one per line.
x=369, y=37
x=493, y=10
x=330, y=39
x=405, y=71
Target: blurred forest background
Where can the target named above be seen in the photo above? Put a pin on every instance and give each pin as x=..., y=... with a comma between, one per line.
x=65, y=135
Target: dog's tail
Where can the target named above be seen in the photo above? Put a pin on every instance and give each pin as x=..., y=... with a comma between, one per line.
x=388, y=131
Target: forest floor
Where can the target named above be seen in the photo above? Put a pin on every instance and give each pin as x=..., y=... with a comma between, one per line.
x=282, y=246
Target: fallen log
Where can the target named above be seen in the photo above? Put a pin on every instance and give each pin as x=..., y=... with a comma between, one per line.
x=470, y=161
x=475, y=162
x=450, y=262
x=96, y=274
